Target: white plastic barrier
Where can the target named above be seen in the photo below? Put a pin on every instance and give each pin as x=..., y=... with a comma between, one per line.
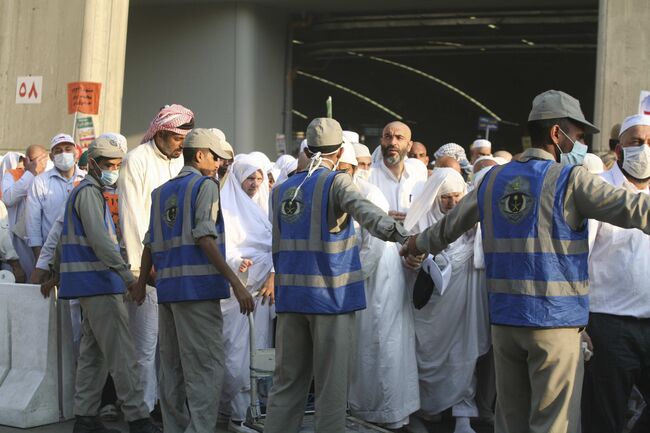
x=36, y=359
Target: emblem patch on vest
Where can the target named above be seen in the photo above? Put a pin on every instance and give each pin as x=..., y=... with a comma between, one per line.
x=516, y=201
x=291, y=208
x=171, y=210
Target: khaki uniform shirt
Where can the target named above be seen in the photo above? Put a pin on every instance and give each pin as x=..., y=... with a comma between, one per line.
x=587, y=196
x=345, y=198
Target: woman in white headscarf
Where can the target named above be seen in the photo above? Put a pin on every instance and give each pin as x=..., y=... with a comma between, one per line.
x=284, y=167
x=244, y=203
x=452, y=329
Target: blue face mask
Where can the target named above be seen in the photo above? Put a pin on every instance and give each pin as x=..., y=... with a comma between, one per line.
x=109, y=177
x=577, y=154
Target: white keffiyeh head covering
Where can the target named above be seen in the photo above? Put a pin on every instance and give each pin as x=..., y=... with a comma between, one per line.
x=284, y=166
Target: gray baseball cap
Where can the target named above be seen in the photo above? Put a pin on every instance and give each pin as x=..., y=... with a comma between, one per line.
x=202, y=138
x=555, y=104
x=106, y=147
x=324, y=135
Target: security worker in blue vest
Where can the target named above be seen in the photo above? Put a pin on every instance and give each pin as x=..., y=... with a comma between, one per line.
x=318, y=282
x=92, y=270
x=185, y=244
x=533, y=214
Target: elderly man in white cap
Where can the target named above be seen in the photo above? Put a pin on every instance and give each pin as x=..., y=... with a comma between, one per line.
x=92, y=270
x=154, y=162
x=532, y=213
x=319, y=282
x=51, y=188
x=619, y=308
x=480, y=147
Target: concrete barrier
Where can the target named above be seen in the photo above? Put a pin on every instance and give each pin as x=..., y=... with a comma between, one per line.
x=36, y=360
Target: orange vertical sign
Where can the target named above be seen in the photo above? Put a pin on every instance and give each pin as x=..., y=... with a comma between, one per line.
x=83, y=97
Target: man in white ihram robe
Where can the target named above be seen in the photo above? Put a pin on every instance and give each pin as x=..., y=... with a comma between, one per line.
x=452, y=329
x=383, y=380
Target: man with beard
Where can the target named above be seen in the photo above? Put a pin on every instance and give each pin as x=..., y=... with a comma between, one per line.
x=157, y=160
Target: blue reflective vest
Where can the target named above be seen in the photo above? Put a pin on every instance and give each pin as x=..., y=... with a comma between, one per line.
x=183, y=271
x=82, y=273
x=316, y=272
x=536, y=265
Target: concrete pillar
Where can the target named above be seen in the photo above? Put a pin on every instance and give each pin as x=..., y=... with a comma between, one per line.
x=224, y=61
x=623, y=63
x=62, y=41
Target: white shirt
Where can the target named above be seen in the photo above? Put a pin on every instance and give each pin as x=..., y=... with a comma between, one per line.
x=7, y=251
x=14, y=195
x=619, y=263
x=45, y=199
x=398, y=192
x=144, y=169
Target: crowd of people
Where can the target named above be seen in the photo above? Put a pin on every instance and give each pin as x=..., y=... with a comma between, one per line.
x=504, y=290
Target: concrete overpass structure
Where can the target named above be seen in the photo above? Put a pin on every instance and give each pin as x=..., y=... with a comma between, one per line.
x=247, y=67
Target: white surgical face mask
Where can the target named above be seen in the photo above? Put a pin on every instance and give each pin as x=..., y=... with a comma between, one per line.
x=109, y=177
x=64, y=161
x=577, y=154
x=636, y=161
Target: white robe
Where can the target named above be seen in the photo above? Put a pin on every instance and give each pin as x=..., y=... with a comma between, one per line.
x=248, y=235
x=383, y=386
x=452, y=330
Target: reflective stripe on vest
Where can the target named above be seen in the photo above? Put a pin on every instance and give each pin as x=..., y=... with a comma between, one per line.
x=536, y=265
x=183, y=271
x=82, y=273
x=316, y=272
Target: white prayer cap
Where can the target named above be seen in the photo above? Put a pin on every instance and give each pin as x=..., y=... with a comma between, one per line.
x=361, y=150
x=499, y=160
x=593, y=163
x=348, y=157
x=481, y=143
x=636, y=120
x=351, y=137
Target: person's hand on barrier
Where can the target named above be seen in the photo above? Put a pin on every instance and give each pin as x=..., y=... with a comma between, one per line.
x=39, y=276
x=246, y=304
x=47, y=286
x=245, y=264
x=138, y=291
x=268, y=290
x=18, y=272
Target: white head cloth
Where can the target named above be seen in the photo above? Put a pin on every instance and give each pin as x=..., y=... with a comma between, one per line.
x=349, y=156
x=247, y=165
x=267, y=165
x=284, y=165
x=593, y=163
x=351, y=137
x=481, y=143
x=636, y=120
x=425, y=209
x=499, y=160
x=248, y=229
x=361, y=150
x=10, y=161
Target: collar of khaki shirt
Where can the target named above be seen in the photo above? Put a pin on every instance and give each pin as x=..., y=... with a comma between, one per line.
x=535, y=153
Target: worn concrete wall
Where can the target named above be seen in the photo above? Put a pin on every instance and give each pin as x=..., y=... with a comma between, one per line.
x=223, y=61
x=623, y=63
x=62, y=41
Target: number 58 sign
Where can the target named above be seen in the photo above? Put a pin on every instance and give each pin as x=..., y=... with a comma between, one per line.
x=29, y=90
